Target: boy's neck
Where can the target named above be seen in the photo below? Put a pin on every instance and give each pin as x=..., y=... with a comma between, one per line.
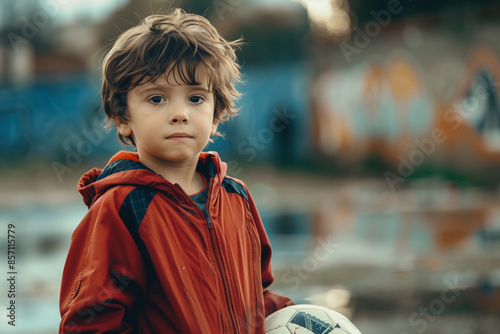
x=183, y=173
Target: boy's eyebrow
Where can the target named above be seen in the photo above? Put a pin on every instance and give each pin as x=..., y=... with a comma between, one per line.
x=160, y=87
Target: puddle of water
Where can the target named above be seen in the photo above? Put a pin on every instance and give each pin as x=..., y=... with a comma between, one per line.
x=374, y=262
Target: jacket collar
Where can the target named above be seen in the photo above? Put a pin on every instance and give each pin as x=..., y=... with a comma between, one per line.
x=125, y=168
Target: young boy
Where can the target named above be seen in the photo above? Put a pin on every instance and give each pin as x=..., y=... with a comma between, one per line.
x=170, y=244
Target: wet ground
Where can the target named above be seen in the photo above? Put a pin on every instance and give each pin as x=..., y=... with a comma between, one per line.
x=423, y=259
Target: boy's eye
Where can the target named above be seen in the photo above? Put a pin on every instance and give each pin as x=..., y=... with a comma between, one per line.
x=196, y=99
x=157, y=99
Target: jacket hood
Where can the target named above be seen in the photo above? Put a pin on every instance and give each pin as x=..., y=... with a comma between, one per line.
x=125, y=168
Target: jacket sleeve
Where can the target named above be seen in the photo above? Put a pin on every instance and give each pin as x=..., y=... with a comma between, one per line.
x=103, y=276
x=273, y=301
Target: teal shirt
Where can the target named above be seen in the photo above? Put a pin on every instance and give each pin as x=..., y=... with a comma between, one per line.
x=200, y=198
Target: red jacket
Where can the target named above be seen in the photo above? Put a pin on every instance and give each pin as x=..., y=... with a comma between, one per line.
x=147, y=259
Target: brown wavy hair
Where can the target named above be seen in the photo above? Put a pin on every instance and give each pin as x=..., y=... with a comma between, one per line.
x=162, y=44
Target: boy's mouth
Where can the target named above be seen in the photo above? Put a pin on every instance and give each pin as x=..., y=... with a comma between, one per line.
x=179, y=135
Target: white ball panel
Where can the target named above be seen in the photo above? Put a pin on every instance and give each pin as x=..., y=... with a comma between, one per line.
x=280, y=330
x=315, y=317
x=279, y=318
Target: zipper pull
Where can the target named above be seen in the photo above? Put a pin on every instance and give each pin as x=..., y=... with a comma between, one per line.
x=207, y=218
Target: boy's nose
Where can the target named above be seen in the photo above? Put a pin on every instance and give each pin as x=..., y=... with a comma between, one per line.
x=179, y=115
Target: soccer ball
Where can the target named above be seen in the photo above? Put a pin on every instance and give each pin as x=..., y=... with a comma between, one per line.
x=308, y=319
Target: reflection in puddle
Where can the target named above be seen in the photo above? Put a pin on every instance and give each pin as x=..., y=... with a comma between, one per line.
x=367, y=260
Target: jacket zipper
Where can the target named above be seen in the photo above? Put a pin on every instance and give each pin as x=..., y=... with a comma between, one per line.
x=216, y=250
x=221, y=271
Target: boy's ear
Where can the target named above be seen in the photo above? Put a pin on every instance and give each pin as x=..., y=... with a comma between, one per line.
x=214, y=127
x=123, y=128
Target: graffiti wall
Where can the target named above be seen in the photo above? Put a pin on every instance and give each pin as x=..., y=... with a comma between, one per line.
x=387, y=106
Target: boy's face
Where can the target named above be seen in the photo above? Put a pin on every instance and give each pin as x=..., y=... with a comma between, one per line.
x=170, y=123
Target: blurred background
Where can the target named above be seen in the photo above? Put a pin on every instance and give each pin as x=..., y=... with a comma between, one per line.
x=369, y=135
